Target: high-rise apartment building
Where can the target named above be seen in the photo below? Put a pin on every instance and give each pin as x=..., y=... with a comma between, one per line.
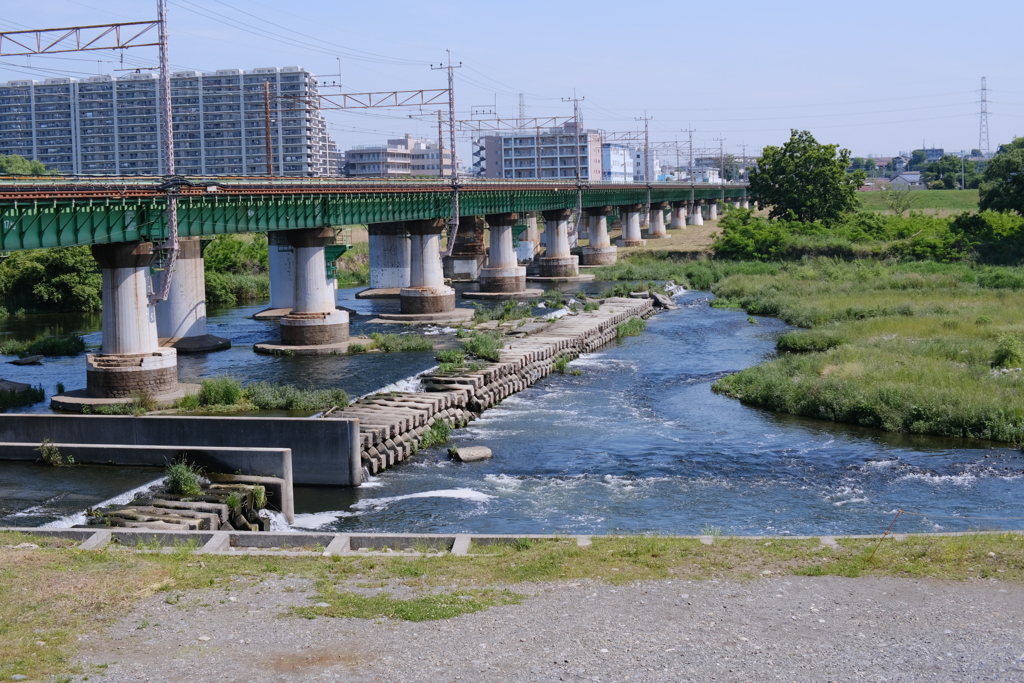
x=102, y=125
x=542, y=153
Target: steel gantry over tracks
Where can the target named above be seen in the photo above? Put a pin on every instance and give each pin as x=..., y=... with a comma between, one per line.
x=38, y=213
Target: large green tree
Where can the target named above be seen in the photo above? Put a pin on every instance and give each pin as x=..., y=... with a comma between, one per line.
x=17, y=165
x=805, y=180
x=61, y=279
x=1002, y=185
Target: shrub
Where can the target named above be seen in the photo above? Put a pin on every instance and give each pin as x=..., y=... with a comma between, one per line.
x=354, y=266
x=1009, y=351
x=486, y=345
x=220, y=391
x=16, y=399
x=259, y=497
x=591, y=306
x=510, y=309
x=58, y=280
x=188, y=402
x=560, y=365
x=438, y=434
x=266, y=396
x=52, y=456
x=803, y=341
x=182, y=479
x=455, y=357
x=554, y=298
x=357, y=348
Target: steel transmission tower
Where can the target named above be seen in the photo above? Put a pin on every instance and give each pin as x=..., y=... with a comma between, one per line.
x=983, y=123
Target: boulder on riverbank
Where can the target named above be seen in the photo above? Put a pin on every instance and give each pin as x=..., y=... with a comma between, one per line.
x=470, y=453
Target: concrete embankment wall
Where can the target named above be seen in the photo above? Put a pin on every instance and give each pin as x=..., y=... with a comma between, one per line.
x=391, y=426
x=323, y=452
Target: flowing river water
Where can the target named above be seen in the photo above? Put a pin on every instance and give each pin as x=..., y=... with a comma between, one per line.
x=635, y=443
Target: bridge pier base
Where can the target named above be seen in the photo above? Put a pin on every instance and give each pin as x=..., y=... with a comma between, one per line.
x=558, y=261
x=656, y=225
x=529, y=241
x=600, y=251
x=678, y=216
x=426, y=293
x=314, y=319
x=631, y=226
x=696, y=213
x=744, y=203
x=130, y=362
x=181, y=319
x=713, y=210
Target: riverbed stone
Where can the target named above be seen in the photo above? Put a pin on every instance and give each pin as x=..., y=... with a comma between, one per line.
x=471, y=453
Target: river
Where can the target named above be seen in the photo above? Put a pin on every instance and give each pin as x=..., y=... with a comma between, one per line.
x=635, y=443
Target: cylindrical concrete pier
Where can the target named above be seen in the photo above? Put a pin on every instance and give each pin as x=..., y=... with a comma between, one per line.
x=696, y=213
x=503, y=272
x=631, y=226
x=315, y=319
x=656, y=224
x=130, y=360
x=426, y=292
x=600, y=251
x=558, y=261
x=678, y=216
x=389, y=256
x=281, y=263
x=529, y=240
x=713, y=210
x=181, y=318
x=745, y=203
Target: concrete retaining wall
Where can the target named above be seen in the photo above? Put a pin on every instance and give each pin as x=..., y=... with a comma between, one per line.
x=324, y=452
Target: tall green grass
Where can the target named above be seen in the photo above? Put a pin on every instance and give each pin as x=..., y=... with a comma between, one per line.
x=661, y=266
x=227, y=393
x=921, y=348
x=66, y=345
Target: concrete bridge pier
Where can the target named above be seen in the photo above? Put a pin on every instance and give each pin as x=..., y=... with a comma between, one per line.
x=503, y=272
x=427, y=292
x=656, y=226
x=678, y=216
x=529, y=241
x=131, y=361
x=745, y=203
x=314, y=319
x=696, y=214
x=713, y=210
x=181, y=318
x=389, y=260
x=469, y=253
x=558, y=261
x=631, y=226
x=600, y=252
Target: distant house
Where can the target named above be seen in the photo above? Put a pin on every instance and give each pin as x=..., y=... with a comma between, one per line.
x=907, y=179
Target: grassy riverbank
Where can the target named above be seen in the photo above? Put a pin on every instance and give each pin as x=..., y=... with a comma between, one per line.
x=922, y=348
x=926, y=200
x=51, y=597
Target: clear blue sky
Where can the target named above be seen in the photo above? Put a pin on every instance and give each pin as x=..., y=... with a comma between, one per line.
x=874, y=77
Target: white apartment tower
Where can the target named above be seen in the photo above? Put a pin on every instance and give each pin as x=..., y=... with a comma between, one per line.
x=541, y=153
x=108, y=126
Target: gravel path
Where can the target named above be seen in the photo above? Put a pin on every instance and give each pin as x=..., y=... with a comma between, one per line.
x=786, y=629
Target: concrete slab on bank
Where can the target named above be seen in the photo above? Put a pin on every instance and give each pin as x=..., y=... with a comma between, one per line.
x=79, y=400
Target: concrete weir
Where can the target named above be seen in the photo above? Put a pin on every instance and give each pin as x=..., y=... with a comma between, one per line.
x=391, y=426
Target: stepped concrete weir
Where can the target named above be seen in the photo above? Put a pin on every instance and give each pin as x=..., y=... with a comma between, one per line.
x=558, y=261
x=390, y=260
x=600, y=251
x=392, y=425
x=181, y=318
x=656, y=226
x=503, y=277
x=678, y=216
x=631, y=226
x=131, y=361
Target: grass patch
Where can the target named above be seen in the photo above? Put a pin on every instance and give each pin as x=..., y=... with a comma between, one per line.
x=661, y=266
x=508, y=310
x=893, y=346
x=55, y=595
x=391, y=343
x=439, y=434
x=140, y=404
x=227, y=393
x=12, y=398
x=485, y=345
x=633, y=327
x=454, y=357
x=561, y=364
x=955, y=200
x=64, y=345
x=183, y=478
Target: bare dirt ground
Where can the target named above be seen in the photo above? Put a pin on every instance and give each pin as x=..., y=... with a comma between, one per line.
x=787, y=629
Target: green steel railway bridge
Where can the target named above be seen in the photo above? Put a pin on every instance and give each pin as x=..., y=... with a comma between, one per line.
x=126, y=223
